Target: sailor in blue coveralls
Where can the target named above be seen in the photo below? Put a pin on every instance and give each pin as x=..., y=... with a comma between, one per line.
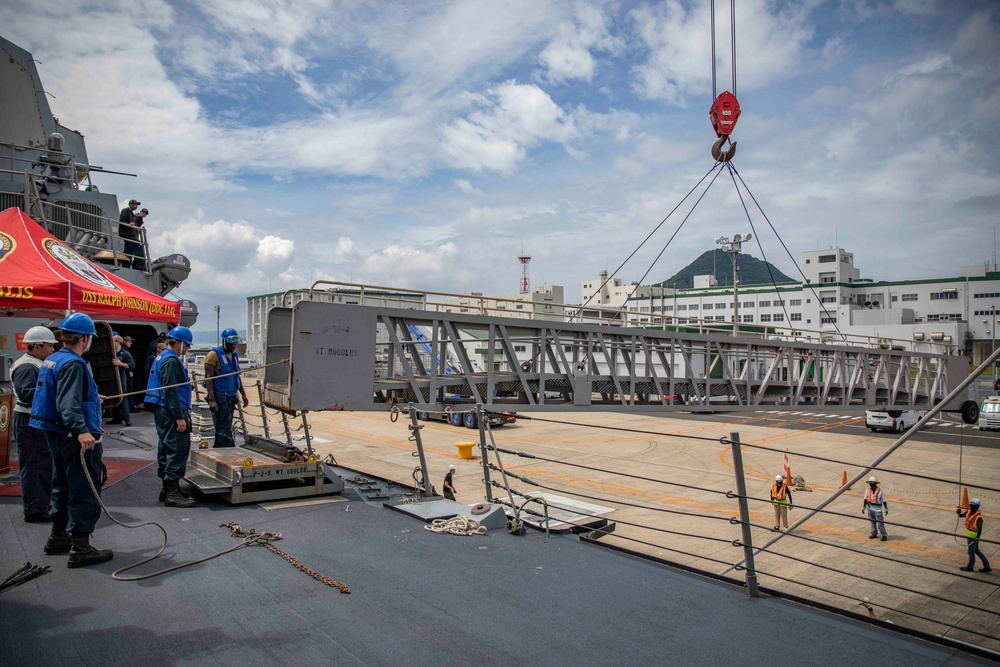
x=223, y=361
x=68, y=408
x=168, y=389
x=34, y=462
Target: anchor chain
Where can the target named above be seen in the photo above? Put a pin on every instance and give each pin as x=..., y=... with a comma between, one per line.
x=266, y=539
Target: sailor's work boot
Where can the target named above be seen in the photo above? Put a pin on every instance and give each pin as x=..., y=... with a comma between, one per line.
x=83, y=554
x=166, y=485
x=59, y=541
x=174, y=497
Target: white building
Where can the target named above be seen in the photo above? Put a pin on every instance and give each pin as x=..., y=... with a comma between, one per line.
x=543, y=303
x=834, y=302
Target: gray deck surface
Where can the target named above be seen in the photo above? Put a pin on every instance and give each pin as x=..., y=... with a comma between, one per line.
x=417, y=597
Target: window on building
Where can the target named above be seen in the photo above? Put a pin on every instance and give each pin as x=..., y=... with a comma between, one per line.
x=795, y=302
x=682, y=307
x=986, y=295
x=747, y=304
x=720, y=318
x=828, y=319
x=941, y=296
x=828, y=299
x=795, y=317
x=779, y=317
x=644, y=309
x=520, y=306
x=826, y=259
x=746, y=318
x=909, y=297
x=720, y=306
x=764, y=304
x=519, y=348
x=765, y=317
x=951, y=317
x=895, y=298
x=668, y=309
x=986, y=313
x=693, y=306
x=807, y=261
x=708, y=306
x=809, y=300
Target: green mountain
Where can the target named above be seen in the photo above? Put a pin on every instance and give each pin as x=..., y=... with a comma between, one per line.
x=752, y=271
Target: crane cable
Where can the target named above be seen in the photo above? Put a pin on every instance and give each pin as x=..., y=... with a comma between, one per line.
x=732, y=14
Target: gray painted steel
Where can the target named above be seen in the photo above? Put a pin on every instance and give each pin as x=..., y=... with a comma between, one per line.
x=352, y=357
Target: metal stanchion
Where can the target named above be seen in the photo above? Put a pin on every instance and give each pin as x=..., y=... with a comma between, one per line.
x=741, y=489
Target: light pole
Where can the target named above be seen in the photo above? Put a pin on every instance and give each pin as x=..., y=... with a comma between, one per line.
x=732, y=248
x=993, y=342
x=218, y=333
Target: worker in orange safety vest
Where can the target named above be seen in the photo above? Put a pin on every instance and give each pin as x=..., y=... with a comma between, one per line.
x=781, y=498
x=973, y=533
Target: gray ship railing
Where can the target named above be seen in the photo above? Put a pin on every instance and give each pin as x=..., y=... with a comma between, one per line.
x=90, y=234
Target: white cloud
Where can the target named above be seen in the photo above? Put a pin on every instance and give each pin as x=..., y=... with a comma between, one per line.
x=568, y=57
x=770, y=45
x=407, y=262
x=467, y=187
x=345, y=247
x=511, y=118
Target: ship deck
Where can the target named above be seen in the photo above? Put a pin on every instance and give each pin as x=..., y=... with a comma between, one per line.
x=416, y=596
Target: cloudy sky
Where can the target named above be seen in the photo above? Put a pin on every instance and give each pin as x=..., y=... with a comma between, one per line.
x=423, y=144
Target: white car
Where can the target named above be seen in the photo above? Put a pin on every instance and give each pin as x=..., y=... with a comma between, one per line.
x=989, y=415
x=892, y=420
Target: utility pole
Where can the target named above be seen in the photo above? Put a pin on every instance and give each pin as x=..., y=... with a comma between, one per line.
x=218, y=333
x=732, y=248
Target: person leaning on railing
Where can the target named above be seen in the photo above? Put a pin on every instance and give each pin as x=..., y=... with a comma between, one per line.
x=128, y=230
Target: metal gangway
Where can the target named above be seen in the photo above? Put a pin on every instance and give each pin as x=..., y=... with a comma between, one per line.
x=356, y=357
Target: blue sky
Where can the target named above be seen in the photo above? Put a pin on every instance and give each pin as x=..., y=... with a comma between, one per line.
x=420, y=144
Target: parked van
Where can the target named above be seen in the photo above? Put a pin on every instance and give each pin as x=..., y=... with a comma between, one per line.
x=989, y=415
x=892, y=420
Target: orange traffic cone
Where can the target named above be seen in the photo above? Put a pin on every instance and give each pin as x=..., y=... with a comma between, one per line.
x=843, y=482
x=965, y=498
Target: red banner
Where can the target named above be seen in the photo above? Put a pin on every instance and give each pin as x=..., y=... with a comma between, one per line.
x=41, y=275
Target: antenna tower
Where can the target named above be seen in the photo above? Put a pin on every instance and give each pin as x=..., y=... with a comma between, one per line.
x=525, y=281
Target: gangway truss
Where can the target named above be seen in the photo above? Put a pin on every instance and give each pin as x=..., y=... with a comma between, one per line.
x=355, y=357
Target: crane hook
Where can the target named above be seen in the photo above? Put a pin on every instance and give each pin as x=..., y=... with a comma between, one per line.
x=724, y=113
x=721, y=155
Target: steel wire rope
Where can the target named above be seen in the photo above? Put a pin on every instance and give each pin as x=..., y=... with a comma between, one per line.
x=854, y=516
x=626, y=523
x=626, y=503
x=767, y=264
x=862, y=577
x=732, y=12
x=656, y=259
x=194, y=381
x=643, y=242
x=727, y=441
x=787, y=251
x=610, y=472
x=632, y=539
x=869, y=602
x=622, y=429
x=872, y=554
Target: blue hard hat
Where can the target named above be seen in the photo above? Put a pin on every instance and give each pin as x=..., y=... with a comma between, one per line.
x=230, y=336
x=79, y=323
x=183, y=334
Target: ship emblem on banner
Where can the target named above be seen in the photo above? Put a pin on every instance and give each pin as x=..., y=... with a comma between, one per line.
x=77, y=264
x=7, y=246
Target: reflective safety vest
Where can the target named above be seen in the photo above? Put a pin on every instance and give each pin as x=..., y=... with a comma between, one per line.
x=227, y=386
x=778, y=495
x=874, y=496
x=26, y=360
x=154, y=393
x=44, y=410
x=971, y=521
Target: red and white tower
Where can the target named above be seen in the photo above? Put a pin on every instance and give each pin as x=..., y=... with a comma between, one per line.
x=525, y=281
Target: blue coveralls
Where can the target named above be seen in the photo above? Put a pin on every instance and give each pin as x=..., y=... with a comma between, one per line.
x=171, y=404
x=34, y=461
x=225, y=390
x=66, y=405
x=123, y=411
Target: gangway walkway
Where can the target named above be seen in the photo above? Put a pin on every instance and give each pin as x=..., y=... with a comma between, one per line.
x=357, y=357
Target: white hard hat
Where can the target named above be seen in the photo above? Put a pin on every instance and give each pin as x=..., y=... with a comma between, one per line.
x=778, y=478
x=974, y=501
x=39, y=335
x=872, y=479
x=451, y=467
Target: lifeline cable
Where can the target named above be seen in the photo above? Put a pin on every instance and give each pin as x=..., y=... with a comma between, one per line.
x=611, y=472
x=626, y=523
x=873, y=554
x=194, y=382
x=853, y=516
